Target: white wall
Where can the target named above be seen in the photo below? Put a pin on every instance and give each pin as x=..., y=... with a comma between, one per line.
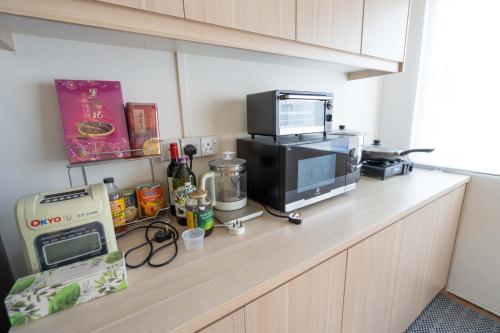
x=213, y=93
x=216, y=89
x=475, y=272
x=400, y=90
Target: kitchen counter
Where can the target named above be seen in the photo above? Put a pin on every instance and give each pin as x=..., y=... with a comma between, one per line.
x=200, y=287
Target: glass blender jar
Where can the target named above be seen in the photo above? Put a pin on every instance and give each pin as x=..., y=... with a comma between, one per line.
x=227, y=182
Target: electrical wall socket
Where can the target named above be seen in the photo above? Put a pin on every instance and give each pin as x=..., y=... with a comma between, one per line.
x=208, y=145
x=195, y=141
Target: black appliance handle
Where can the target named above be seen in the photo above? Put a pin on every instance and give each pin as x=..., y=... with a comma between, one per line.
x=306, y=97
x=406, y=152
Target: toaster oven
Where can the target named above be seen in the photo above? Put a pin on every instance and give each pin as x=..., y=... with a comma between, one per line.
x=65, y=226
x=285, y=112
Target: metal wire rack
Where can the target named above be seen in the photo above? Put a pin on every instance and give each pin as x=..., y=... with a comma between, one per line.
x=82, y=165
x=162, y=215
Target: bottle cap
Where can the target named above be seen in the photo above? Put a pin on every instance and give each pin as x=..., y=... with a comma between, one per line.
x=198, y=194
x=174, y=152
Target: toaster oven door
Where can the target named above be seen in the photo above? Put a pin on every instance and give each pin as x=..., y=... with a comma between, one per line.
x=302, y=114
x=314, y=172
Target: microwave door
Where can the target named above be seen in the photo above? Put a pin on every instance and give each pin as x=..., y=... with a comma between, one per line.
x=300, y=114
x=314, y=170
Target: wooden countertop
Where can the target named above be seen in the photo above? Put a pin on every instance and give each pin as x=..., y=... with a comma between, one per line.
x=200, y=287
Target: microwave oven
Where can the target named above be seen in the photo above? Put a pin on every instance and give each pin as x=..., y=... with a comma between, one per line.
x=286, y=112
x=293, y=172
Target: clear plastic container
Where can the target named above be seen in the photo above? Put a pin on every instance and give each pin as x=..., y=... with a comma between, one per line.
x=193, y=239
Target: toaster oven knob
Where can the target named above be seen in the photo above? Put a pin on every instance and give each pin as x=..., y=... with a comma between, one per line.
x=329, y=105
x=328, y=117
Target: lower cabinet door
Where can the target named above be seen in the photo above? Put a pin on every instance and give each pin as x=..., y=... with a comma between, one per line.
x=372, y=271
x=393, y=275
x=312, y=302
x=232, y=323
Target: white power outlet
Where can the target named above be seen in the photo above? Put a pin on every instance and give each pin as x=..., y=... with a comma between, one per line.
x=195, y=141
x=208, y=145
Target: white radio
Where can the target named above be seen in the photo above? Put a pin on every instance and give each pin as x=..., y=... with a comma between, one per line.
x=65, y=226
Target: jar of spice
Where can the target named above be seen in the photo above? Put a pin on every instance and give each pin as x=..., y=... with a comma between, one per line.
x=199, y=211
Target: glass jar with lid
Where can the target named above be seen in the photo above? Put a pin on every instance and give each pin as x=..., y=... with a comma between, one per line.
x=227, y=182
x=199, y=211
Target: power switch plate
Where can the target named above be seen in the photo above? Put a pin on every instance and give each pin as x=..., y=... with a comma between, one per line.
x=208, y=145
x=195, y=141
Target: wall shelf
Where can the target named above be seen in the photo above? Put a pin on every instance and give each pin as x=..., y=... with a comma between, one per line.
x=84, y=165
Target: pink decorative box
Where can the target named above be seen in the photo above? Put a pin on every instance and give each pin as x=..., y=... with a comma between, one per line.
x=93, y=119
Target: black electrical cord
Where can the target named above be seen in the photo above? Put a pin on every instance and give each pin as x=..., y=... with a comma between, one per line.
x=274, y=214
x=294, y=217
x=191, y=162
x=165, y=231
x=190, y=150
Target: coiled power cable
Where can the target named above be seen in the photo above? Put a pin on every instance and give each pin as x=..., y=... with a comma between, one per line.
x=165, y=232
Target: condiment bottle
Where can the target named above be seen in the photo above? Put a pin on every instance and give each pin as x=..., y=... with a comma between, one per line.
x=181, y=195
x=117, y=203
x=183, y=183
x=199, y=211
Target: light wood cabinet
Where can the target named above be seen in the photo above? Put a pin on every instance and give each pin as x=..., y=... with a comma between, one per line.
x=233, y=323
x=269, y=313
x=168, y=7
x=379, y=285
x=331, y=23
x=370, y=279
x=312, y=302
x=384, y=28
x=416, y=250
x=394, y=274
x=268, y=17
x=319, y=30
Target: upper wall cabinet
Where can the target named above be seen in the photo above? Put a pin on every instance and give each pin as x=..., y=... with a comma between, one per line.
x=168, y=7
x=268, y=17
x=331, y=23
x=384, y=28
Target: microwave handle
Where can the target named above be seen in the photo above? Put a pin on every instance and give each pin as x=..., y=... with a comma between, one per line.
x=306, y=97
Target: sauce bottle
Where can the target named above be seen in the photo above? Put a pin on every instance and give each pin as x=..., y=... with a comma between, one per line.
x=183, y=183
x=117, y=203
x=199, y=211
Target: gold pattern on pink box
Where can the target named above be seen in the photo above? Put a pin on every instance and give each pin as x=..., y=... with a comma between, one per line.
x=93, y=120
